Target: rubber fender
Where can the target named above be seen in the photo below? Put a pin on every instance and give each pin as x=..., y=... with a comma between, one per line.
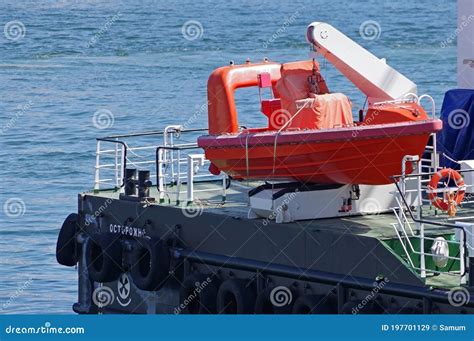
x=103, y=257
x=150, y=264
x=236, y=296
x=403, y=311
x=355, y=307
x=264, y=304
x=66, y=246
x=314, y=304
x=198, y=295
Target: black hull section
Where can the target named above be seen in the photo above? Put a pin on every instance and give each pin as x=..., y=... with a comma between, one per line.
x=355, y=273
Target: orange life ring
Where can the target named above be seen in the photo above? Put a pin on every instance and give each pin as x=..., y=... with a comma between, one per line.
x=433, y=185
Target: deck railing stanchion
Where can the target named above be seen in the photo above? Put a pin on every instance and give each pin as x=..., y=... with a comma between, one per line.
x=97, y=167
x=224, y=186
x=190, y=179
x=462, y=260
x=122, y=168
x=161, y=180
x=421, y=225
x=117, y=179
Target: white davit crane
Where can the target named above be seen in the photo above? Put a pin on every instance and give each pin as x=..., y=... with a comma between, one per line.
x=377, y=80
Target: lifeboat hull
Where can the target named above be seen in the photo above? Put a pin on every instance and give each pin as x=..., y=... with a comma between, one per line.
x=358, y=155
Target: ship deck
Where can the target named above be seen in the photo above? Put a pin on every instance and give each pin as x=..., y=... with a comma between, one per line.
x=208, y=198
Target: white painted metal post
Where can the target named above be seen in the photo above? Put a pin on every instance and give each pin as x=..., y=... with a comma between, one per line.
x=190, y=179
x=97, y=167
x=168, y=142
x=224, y=186
x=462, y=257
x=161, y=184
x=422, y=226
x=435, y=159
x=117, y=179
x=122, y=169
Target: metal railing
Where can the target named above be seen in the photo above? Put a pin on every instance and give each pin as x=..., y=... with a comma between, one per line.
x=177, y=161
x=412, y=98
x=413, y=226
x=178, y=167
x=117, y=152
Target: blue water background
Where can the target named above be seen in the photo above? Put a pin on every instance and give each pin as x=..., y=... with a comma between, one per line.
x=148, y=75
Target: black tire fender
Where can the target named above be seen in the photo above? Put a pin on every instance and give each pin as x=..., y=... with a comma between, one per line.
x=264, y=304
x=314, y=304
x=198, y=295
x=403, y=311
x=66, y=246
x=236, y=296
x=150, y=264
x=355, y=307
x=103, y=253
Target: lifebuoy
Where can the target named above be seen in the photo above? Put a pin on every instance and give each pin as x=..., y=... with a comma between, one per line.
x=437, y=201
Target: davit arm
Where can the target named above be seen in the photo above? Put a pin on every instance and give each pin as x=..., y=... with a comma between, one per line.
x=377, y=80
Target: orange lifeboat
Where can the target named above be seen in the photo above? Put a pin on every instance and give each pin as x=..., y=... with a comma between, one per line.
x=311, y=136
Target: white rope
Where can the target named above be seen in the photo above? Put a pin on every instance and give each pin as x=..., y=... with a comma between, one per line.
x=279, y=131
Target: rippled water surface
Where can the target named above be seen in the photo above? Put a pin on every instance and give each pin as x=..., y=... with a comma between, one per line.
x=71, y=59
